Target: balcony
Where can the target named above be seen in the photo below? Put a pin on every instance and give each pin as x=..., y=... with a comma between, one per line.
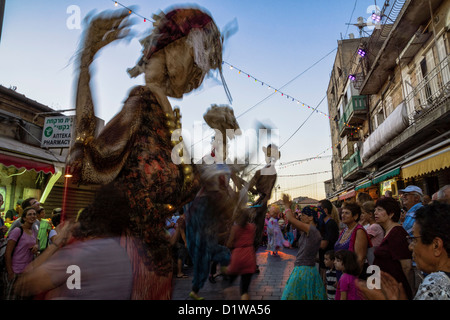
x=425, y=117
x=430, y=93
x=353, y=163
x=354, y=114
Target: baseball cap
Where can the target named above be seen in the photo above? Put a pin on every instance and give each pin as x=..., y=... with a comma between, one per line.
x=412, y=189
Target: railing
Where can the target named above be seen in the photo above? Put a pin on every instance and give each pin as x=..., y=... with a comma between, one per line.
x=356, y=104
x=430, y=93
x=351, y=164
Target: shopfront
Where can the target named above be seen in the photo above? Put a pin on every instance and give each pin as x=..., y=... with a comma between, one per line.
x=27, y=171
x=429, y=172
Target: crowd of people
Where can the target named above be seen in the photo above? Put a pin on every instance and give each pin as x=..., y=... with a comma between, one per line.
x=123, y=244
x=387, y=233
x=337, y=246
x=24, y=234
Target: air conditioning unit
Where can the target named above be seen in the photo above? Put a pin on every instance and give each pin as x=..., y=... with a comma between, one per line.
x=31, y=134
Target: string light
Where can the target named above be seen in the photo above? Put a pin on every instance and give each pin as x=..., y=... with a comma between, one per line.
x=361, y=52
x=376, y=17
x=130, y=11
x=232, y=67
x=301, y=175
x=297, y=162
x=269, y=87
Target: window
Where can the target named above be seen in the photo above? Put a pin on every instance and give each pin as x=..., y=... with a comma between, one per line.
x=389, y=106
x=443, y=59
x=344, y=149
x=378, y=117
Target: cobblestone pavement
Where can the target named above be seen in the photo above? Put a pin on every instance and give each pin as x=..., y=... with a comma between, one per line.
x=267, y=285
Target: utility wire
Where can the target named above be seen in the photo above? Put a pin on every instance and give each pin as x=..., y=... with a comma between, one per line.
x=351, y=17
x=287, y=83
x=269, y=96
x=303, y=122
x=301, y=175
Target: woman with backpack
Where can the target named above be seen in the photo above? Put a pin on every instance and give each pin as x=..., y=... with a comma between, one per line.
x=20, y=250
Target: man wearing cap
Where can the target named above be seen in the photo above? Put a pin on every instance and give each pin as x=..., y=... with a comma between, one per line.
x=411, y=198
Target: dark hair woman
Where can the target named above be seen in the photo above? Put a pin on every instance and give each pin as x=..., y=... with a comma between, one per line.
x=354, y=237
x=393, y=255
x=430, y=244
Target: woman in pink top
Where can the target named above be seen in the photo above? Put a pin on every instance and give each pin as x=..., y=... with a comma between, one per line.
x=20, y=250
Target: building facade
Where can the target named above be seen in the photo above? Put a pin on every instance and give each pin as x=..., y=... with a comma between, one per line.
x=27, y=167
x=390, y=103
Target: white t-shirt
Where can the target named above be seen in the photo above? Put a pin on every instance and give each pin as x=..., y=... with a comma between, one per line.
x=50, y=235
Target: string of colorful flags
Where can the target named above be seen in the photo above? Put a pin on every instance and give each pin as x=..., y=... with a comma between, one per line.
x=302, y=174
x=270, y=87
x=256, y=80
x=131, y=11
x=282, y=166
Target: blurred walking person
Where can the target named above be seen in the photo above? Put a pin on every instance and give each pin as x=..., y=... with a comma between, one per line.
x=243, y=255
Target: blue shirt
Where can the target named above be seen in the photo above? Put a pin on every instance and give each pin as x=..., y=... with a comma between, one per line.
x=410, y=217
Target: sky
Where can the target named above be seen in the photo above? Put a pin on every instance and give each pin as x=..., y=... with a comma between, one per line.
x=284, y=45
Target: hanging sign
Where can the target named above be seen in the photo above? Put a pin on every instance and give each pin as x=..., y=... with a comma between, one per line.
x=57, y=132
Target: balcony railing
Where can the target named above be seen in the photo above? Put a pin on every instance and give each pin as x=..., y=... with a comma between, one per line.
x=353, y=163
x=430, y=93
x=356, y=105
x=421, y=104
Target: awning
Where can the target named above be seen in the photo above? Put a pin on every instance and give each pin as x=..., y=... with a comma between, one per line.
x=347, y=195
x=433, y=162
x=20, y=155
x=364, y=185
x=19, y=163
x=385, y=176
x=394, y=124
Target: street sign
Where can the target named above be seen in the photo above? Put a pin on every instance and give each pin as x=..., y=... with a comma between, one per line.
x=57, y=132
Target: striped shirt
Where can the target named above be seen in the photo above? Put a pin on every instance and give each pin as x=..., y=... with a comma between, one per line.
x=331, y=283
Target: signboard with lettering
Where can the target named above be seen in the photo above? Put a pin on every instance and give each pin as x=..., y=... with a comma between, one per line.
x=57, y=132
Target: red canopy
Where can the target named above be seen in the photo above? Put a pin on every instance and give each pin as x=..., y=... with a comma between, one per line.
x=28, y=164
x=347, y=195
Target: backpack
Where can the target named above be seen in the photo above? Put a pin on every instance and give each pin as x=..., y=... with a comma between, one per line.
x=3, y=243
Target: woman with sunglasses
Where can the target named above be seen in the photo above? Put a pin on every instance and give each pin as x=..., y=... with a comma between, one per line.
x=430, y=246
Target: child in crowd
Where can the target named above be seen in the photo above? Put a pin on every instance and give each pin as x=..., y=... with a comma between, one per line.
x=330, y=274
x=274, y=235
x=346, y=262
